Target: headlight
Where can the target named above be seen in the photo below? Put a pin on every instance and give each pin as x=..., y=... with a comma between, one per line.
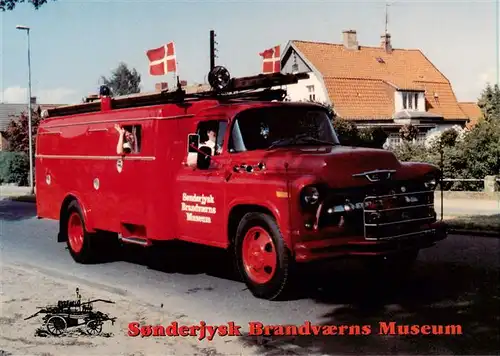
x=310, y=195
x=431, y=183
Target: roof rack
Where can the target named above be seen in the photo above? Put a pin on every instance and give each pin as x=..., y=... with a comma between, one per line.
x=223, y=88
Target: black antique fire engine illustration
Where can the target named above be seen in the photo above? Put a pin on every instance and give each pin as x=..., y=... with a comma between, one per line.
x=73, y=313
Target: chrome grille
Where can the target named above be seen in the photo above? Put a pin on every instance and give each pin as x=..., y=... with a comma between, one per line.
x=404, y=206
x=397, y=215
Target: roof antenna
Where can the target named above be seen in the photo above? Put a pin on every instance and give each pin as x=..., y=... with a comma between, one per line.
x=386, y=16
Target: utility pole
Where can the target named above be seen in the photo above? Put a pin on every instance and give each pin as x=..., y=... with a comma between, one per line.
x=498, y=41
x=212, y=49
x=30, y=139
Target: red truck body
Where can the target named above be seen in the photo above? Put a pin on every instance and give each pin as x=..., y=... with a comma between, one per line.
x=301, y=201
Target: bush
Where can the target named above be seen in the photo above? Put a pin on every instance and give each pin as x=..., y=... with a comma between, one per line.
x=372, y=137
x=411, y=152
x=350, y=135
x=473, y=155
x=409, y=133
x=14, y=168
x=347, y=132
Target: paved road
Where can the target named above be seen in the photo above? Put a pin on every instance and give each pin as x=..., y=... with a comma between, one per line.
x=453, y=283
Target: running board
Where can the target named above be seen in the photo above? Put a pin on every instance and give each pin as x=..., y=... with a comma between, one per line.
x=135, y=240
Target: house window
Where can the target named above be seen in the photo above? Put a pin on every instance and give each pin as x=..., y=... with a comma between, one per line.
x=410, y=100
x=312, y=95
x=394, y=139
x=421, y=137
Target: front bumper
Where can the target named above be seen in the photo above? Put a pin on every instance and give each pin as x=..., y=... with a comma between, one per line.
x=334, y=247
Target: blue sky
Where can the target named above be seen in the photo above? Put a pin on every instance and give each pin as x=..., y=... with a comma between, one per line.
x=75, y=42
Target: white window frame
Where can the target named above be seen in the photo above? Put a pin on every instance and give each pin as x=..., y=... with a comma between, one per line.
x=310, y=90
x=410, y=100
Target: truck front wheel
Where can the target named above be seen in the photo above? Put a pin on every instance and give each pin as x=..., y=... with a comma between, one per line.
x=262, y=257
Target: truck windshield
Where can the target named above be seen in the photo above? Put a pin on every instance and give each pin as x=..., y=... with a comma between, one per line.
x=270, y=127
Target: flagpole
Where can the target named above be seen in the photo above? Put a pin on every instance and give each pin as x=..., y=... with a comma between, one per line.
x=175, y=75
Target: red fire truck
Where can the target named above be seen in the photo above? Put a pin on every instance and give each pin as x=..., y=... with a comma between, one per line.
x=236, y=167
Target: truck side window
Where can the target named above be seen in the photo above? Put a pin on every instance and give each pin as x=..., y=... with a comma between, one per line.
x=220, y=137
x=236, y=140
x=132, y=138
x=212, y=134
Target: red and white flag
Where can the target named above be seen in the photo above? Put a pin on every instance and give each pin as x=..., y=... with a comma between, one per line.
x=271, y=60
x=162, y=60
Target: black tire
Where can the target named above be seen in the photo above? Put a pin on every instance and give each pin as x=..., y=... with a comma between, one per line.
x=87, y=252
x=280, y=280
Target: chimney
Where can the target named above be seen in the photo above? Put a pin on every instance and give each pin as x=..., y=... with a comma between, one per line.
x=161, y=86
x=350, y=40
x=385, y=42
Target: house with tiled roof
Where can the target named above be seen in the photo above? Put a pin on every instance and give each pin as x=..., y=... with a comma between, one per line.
x=8, y=112
x=381, y=85
x=473, y=111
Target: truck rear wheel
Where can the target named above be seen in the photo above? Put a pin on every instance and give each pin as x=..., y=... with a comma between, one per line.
x=261, y=255
x=78, y=238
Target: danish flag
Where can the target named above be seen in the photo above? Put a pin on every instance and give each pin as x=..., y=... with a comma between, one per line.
x=162, y=60
x=271, y=62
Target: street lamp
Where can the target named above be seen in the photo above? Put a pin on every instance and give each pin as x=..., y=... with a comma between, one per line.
x=497, y=41
x=30, y=143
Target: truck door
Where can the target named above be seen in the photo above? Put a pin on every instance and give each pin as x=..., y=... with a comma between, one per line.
x=201, y=193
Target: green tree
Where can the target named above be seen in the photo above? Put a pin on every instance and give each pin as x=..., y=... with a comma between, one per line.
x=489, y=102
x=449, y=137
x=11, y=4
x=409, y=133
x=17, y=132
x=123, y=81
x=480, y=151
x=347, y=131
x=373, y=137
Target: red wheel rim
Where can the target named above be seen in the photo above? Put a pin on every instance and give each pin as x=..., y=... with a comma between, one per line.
x=259, y=255
x=75, y=232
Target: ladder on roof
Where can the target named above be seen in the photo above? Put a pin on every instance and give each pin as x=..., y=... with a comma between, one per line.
x=223, y=89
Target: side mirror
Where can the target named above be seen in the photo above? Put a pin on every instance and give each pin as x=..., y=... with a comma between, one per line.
x=193, y=140
x=203, y=161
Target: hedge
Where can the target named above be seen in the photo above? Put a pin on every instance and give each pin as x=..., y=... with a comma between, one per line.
x=14, y=168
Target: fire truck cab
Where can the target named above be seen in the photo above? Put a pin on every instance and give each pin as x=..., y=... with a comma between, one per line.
x=236, y=167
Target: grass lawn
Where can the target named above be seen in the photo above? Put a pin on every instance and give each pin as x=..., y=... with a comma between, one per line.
x=475, y=222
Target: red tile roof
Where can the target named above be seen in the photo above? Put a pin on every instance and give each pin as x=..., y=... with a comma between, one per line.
x=473, y=111
x=366, y=99
x=371, y=71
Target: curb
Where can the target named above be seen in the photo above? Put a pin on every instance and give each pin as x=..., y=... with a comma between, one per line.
x=22, y=198
x=482, y=233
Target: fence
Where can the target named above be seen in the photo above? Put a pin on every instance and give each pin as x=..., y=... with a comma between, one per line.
x=489, y=184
